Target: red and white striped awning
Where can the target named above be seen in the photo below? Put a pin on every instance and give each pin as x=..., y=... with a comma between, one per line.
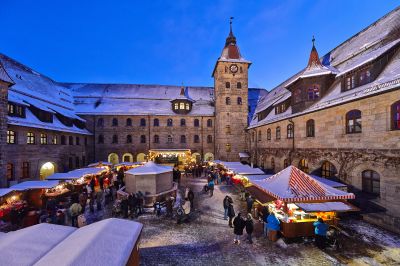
x=293, y=185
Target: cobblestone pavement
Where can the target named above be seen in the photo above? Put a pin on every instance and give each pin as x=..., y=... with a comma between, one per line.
x=207, y=240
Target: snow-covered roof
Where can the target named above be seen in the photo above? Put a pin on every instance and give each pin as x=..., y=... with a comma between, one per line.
x=4, y=75
x=247, y=170
x=26, y=246
x=243, y=155
x=329, y=182
x=327, y=207
x=355, y=52
x=150, y=168
x=253, y=178
x=5, y=191
x=37, y=184
x=87, y=171
x=100, y=163
x=30, y=120
x=90, y=245
x=293, y=185
x=128, y=163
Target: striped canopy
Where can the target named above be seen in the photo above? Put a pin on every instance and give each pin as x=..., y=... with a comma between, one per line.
x=293, y=185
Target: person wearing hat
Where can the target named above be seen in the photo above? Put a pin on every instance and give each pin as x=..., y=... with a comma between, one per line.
x=249, y=227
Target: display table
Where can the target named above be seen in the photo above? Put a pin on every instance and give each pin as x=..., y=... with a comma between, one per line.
x=303, y=228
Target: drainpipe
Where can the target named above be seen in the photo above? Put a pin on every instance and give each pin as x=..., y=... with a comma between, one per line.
x=292, y=151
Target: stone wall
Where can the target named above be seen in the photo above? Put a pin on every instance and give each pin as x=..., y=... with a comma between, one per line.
x=377, y=148
x=233, y=115
x=102, y=150
x=37, y=154
x=3, y=131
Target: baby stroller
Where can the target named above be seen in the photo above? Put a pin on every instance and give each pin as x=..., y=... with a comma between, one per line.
x=116, y=209
x=335, y=237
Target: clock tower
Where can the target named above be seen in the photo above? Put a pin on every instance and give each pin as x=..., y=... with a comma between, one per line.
x=231, y=101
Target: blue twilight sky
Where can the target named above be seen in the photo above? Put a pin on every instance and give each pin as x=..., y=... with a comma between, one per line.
x=170, y=42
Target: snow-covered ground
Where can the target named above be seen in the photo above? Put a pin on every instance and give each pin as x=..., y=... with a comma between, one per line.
x=207, y=240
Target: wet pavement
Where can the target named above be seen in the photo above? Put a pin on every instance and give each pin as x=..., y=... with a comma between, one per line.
x=208, y=240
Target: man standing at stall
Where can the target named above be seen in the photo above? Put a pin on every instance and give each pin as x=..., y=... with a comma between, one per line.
x=273, y=227
x=320, y=233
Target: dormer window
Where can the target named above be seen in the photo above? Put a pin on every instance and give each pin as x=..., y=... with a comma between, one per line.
x=176, y=106
x=187, y=106
x=182, y=106
x=350, y=82
x=313, y=92
x=280, y=108
x=364, y=77
x=16, y=110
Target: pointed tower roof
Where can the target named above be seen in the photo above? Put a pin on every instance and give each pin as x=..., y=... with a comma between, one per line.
x=231, y=51
x=314, y=66
x=184, y=95
x=4, y=75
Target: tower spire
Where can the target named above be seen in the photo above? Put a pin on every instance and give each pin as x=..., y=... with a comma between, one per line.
x=231, y=38
x=313, y=61
x=313, y=41
x=230, y=26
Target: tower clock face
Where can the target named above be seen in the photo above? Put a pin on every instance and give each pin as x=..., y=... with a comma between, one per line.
x=233, y=68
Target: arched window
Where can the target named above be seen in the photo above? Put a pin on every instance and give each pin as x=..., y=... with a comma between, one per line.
x=371, y=182
x=70, y=140
x=156, y=139
x=156, y=122
x=272, y=163
x=259, y=135
x=142, y=122
x=196, y=123
x=128, y=138
x=196, y=139
x=169, y=139
x=303, y=165
x=286, y=163
x=313, y=92
x=290, y=131
x=114, y=122
x=396, y=116
x=268, y=134
x=239, y=85
x=228, y=101
x=209, y=123
x=209, y=139
x=128, y=122
x=64, y=140
x=142, y=139
x=278, y=133
x=227, y=85
x=100, y=122
x=241, y=70
x=114, y=139
x=239, y=101
x=328, y=170
x=353, y=122
x=169, y=122
x=183, y=122
x=183, y=139
x=253, y=136
x=228, y=147
x=310, y=128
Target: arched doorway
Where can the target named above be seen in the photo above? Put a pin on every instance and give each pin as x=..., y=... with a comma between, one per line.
x=208, y=157
x=328, y=170
x=113, y=158
x=127, y=157
x=141, y=157
x=196, y=156
x=303, y=165
x=47, y=169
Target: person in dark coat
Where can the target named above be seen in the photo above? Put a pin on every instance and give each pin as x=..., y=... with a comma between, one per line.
x=191, y=197
x=120, y=177
x=249, y=227
x=92, y=183
x=101, y=182
x=125, y=207
x=238, y=226
x=249, y=202
x=231, y=214
x=211, y=187
x=226, y=202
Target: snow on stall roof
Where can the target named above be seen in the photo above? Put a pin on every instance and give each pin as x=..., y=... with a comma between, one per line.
x=90, y=245
x=326, y=207
x=30, y=120
x=253, y=178
x=87, y=171
x=100, y=162
x=328, y=182
x=37, y=184
x=150, y=168
x=128, y=163
x=26, y=246
x=5, y=191
x=292, y=184
x=247, y=170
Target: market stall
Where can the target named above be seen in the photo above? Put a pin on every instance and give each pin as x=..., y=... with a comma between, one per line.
x=127, y=165
x=171, y=157
x=101, y=164
x=9, y=200
x=298, y=200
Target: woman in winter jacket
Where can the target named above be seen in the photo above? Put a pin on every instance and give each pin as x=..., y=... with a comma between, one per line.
x=273, y=227
x=238, y=226
x=249, y=227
